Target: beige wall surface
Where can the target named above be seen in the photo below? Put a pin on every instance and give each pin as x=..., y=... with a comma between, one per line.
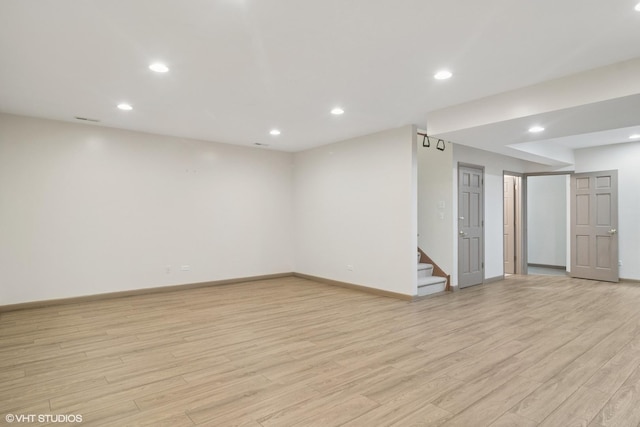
x=87, y=210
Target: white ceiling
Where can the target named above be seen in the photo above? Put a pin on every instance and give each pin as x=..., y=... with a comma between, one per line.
x=591, y=124
x=239, y=68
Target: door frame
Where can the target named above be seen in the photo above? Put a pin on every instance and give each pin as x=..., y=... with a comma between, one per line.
x=481, y=168
x=525, y=229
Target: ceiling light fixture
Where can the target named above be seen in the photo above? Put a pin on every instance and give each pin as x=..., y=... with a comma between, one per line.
x=637, y=8
x=443, y=75
x=337, y=111
x=158, y=67
x=275, y=132
x=125, y=107
x=536, y=129
x=635, y=136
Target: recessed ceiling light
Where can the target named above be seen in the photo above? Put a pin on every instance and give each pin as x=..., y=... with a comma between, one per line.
x=337, y=111
x=125, y=107
x=536, y=129
x=635, y=136
x=274, y=132
x=443, y=75
x=158, y=67
x=637, y=8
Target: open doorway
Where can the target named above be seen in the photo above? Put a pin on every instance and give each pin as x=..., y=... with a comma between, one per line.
x=545, y=221
x=547, y=224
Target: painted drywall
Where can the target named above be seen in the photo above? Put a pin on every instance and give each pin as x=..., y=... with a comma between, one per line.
x=355, y=211
x=624, y=158
x=547, y=220
x=601, y=84
x=435, y=204
x=494, y=167
x=87, y=210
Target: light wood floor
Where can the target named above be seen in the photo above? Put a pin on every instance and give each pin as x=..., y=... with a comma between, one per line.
x=548, y=351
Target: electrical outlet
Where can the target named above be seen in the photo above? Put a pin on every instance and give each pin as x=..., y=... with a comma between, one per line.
x=185, y=268
x=167, y=269
x=349, y=267
x=620, y=263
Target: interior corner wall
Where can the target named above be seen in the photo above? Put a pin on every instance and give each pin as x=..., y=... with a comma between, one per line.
x=494, y=167
x=435, y=204
x=355, y=211
x=87, y=210
x=624, y=158
x=547, y=220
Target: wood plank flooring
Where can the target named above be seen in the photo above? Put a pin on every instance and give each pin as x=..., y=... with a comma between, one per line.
x=527, y=351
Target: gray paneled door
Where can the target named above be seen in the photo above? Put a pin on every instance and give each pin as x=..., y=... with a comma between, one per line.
x=594, y=225
x=470, y=226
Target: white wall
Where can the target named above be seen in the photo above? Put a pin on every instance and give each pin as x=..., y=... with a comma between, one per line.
x=88, y=210
x=355, y=205
x=624, y=158
x=435, y=204
x=547, y=219
x=494, y=167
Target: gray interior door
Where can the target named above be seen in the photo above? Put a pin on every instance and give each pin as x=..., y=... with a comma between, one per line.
x=509, y=216
x=594, y=225
x=470, y=226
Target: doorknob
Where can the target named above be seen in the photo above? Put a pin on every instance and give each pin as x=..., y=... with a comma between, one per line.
x=461, y=218
x=462, y=233
x=613, y=231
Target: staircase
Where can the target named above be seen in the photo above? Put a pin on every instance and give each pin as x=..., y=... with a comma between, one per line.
x=428, y=283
